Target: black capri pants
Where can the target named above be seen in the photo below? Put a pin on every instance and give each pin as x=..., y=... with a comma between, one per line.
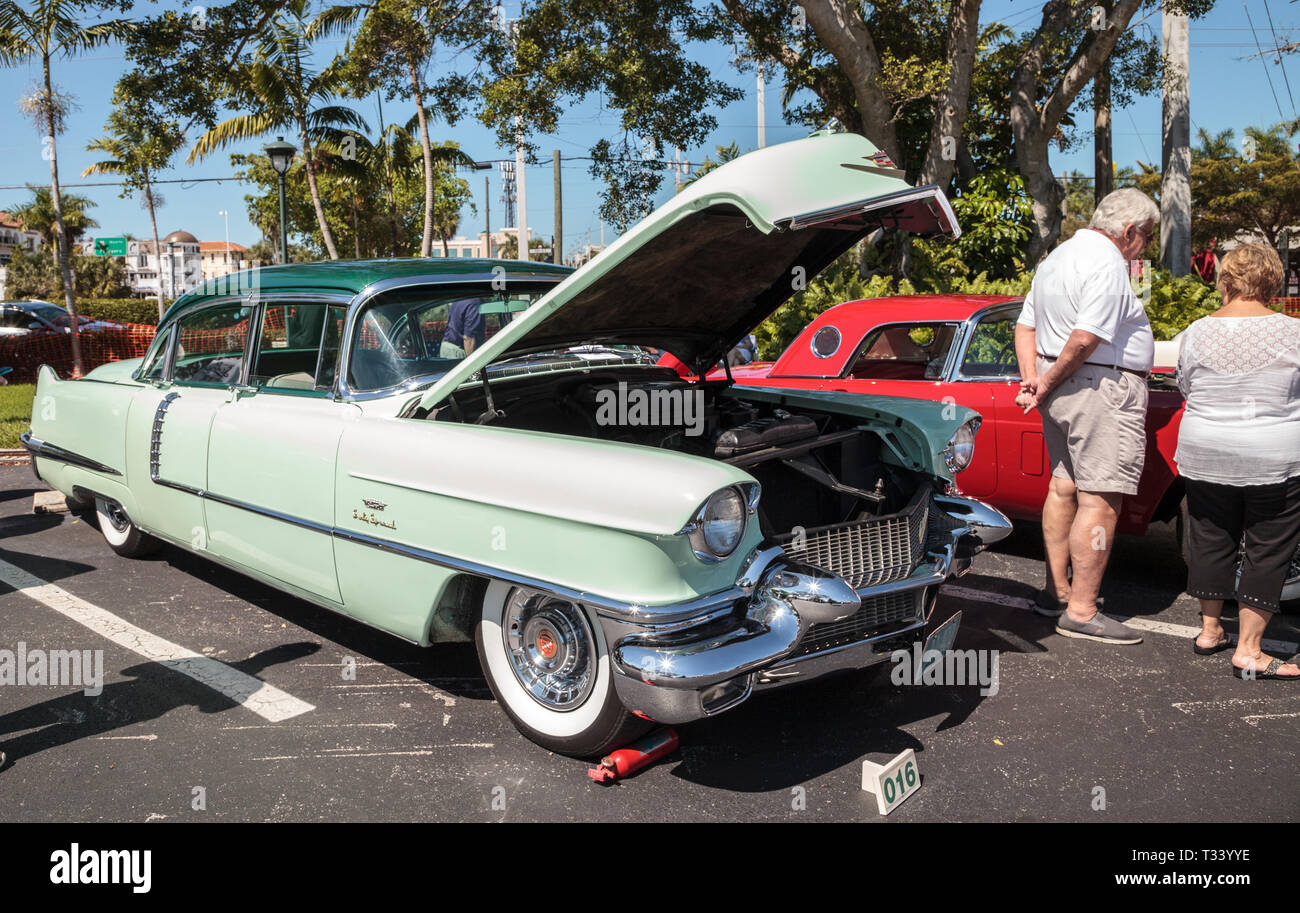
x=1220, y=517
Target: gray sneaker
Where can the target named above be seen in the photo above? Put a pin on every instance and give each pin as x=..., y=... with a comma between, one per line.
x=1100, y=627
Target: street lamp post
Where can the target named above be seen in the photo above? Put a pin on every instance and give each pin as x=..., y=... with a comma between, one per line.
x=281, y=155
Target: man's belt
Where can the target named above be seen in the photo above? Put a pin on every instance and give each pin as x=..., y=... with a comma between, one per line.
x=1132, y=371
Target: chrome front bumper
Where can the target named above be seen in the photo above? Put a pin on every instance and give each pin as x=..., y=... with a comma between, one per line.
x=700, y=667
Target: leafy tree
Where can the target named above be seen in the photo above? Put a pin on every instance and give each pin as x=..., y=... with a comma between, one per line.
x=285, y=93
x=633, y=54
x=50, y=29
x=727, y=153
x=452, y=195
x=38, y=214
x=1232, y=193
x=139, y=144
x=394, y=41
x=37, y=275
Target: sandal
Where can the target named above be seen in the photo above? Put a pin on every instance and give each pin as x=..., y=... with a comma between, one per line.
x=1269, y=672
x=1210, y=651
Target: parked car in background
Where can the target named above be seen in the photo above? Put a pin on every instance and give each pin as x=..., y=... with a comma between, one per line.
x=20, y=318
x=961, y=349
x=622, y=545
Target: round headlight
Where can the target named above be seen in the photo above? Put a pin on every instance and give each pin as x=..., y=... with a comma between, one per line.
x=719, y=525
x=961, y=449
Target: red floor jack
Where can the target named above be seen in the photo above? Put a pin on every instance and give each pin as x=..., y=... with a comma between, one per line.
x=642, y=753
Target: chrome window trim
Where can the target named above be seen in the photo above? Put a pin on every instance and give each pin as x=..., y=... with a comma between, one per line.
x=341, y=389
x=839, y=341
x=255, y=346
x=847, y=366
x=248, y=301
x=964, y=340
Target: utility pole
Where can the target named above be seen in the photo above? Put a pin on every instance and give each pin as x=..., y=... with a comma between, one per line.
x=487, y=219
x=1103, y=161
x=762, y=114
x=558, y=241
x=1176, y=153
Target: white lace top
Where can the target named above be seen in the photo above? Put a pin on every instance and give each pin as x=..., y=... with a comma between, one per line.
x=1241, y=378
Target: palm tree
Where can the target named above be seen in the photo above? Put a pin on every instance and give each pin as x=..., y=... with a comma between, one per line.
x=37, y=214
x=285, y=93
x=137, y=148
x=400, y=35
x=50, y=29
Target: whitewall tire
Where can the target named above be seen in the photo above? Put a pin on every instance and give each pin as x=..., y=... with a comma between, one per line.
x=122, y=536
x=548, y=666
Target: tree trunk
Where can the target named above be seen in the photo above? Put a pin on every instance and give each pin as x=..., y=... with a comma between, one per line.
x=56, y=200
x=426, y=149
x=1103, y=161
x=950, y=111
x=842, y=31
x=356, y=231
x=153, y=222
x=326, y=234
x=1033, y=125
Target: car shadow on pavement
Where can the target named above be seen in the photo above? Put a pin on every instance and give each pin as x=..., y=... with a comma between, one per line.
x=795, y=734
x=153, y=689
x=450, y=667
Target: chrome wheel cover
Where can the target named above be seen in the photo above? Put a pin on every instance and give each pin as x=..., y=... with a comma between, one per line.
x=116, y=516
x=551, y=649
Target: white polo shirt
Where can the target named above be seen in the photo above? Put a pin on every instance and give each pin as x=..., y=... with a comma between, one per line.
x=1084, y=285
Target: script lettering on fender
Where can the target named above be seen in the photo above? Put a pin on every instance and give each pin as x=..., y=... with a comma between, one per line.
x=372, y=519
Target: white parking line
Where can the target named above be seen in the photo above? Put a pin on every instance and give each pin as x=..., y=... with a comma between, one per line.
x=265, y=700
x=1142, y=624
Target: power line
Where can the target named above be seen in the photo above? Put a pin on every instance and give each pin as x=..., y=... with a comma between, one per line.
x=1263, y=62
x=1280, y=61
x=123, y=183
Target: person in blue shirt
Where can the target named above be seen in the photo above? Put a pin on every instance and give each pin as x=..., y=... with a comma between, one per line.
x=464, y=330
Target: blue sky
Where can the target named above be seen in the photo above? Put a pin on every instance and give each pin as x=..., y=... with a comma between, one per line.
x=1229, y=90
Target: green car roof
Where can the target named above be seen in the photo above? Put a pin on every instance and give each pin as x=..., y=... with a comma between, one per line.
x=351, y=276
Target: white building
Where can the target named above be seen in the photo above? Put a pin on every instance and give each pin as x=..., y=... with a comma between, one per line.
x=176, y=267
x=473, y=247
x=14, y=237
x=221, y=258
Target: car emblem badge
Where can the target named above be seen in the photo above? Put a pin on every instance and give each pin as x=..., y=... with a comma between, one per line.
x=373, y=503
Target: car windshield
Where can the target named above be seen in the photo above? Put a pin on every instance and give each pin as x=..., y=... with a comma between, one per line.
x=415, y=335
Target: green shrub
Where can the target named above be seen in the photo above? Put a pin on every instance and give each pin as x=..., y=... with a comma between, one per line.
x=122, y=310
x=1172, y=303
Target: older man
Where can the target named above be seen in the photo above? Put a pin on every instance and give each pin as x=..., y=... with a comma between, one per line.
x=1085, y=348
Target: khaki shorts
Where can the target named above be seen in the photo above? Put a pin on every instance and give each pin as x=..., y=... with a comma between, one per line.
x=1094, y=426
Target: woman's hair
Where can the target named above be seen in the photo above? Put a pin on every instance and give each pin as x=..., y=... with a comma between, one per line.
x=1126, y=206
x=1251, y=271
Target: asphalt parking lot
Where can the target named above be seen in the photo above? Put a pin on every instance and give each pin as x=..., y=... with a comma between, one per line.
x=415, y=734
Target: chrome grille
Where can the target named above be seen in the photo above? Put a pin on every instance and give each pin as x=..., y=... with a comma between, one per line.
x=875, y=614
x=869, y=552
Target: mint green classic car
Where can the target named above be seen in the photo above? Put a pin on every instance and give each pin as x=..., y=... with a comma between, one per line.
x=486, y=450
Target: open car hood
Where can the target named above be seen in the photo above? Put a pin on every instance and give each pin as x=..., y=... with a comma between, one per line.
x=709, y=265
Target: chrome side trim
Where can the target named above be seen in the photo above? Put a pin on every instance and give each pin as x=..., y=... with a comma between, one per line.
x=39, y=448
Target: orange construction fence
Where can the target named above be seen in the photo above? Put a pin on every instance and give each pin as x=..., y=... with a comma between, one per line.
x=26, y=353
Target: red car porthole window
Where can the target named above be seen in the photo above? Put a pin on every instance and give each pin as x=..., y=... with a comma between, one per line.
x=826, y=342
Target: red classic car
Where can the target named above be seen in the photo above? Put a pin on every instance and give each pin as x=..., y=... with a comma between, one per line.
x=961, y=349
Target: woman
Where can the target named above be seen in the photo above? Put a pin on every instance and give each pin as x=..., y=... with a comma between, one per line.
x=1239, y=452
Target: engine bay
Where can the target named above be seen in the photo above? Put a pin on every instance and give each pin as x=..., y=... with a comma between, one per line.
x=816, y=469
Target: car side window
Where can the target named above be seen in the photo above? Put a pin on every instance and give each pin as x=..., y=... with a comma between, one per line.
x=991, y=351
x=904, y=351
x=155, y=360
x=14, y=319
x=210, y=345
x=298, y=346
